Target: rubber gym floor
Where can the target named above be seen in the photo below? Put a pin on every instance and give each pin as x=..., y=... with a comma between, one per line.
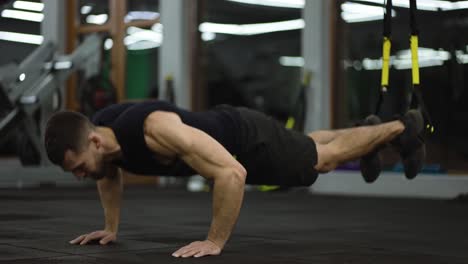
x=274, y=227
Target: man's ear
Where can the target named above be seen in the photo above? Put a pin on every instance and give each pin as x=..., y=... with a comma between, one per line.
x=95, y=138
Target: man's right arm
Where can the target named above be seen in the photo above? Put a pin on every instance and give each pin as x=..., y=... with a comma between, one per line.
x=110, y=191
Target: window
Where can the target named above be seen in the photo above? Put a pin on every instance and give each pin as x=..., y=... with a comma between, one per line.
x=443, y=58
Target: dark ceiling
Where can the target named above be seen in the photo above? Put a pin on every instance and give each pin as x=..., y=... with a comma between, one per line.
x=236, y=13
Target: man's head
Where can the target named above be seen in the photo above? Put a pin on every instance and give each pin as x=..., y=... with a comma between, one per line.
x=72, y=142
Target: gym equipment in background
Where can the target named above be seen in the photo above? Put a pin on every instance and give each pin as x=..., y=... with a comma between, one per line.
x=417, y=101
x=30, y=92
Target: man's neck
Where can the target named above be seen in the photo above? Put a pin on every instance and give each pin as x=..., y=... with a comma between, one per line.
x=110, y=144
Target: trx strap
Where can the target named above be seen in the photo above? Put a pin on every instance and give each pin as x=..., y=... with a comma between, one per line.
x=387, y=44
x=298, y=96
x=416, y=98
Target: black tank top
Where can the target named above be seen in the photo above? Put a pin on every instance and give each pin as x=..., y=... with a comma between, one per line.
x=127, y=120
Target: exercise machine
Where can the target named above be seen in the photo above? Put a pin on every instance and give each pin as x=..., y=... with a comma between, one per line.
x=31, y=91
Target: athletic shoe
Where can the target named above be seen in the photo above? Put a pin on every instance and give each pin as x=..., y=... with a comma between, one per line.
x=370, y=163
x=413, y=160
x=410, y=143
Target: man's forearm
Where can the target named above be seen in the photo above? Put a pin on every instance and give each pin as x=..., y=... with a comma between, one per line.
x=110, y=192
x=228, y=193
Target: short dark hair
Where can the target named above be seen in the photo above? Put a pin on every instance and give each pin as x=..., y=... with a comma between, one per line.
x=66, y=130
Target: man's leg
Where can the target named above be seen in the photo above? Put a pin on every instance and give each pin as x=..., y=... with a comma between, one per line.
x=370, y=163
x=325, y=136
x=353, y=143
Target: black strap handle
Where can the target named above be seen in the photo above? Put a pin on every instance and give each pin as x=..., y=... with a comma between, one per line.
x=387, y=32
x=388, y=19
x=413, y=24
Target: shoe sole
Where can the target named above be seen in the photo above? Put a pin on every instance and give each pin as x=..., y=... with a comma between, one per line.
x=413, y=151
x=370, y=164
x=413, y=162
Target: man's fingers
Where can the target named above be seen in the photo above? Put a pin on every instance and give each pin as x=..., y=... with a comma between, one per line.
x=107, y=239
x=85, y=240
x=190, y=253
x=78, y=239
x=178, y=253
x=103, y=236
x=181, y=251
x=89, y=237
x=198, y=249
x=203, y=253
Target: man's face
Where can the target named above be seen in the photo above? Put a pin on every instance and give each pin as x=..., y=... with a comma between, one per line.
x=86, y=164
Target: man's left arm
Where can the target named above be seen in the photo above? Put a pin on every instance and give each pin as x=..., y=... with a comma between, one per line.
x=211, y=160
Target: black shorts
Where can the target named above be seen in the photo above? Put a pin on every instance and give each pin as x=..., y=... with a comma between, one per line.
x=274, y=155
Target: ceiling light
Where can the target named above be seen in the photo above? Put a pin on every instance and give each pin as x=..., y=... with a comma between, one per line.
x=402, y=61
x=21, y=37
x=22, y=15
x=86, y=9
x=133, y=30
x=370, y=64
x=355, y=18
x=427, y=5
x=208, y=36
x=274, y=3
x=63, y=65
x=252, y=29
x=108, y=44
x=362, y=9
x=423, y=63
x=425, y=53
x=145, y=39
x=461, y=57
x=97, y=19
x=141, y=15
x=158, y=27
x=458, y=5
x=30, y=6
x=353, y=12
x=292, y=61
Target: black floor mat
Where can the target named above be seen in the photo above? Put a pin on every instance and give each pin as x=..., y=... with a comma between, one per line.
x=284, y=227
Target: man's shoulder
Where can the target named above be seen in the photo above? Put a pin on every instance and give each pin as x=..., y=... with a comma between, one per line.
x=160, y=121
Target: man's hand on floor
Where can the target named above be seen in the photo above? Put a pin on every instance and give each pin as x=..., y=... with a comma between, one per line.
x=103, y=236
x=198, y=249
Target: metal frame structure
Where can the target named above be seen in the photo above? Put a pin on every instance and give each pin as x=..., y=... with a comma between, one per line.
x=27, y=89
x=116, y=28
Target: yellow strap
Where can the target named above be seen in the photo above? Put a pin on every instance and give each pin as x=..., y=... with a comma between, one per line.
x=268, y=188
x=290, y=123
x=414, y=58
x=387, y=44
